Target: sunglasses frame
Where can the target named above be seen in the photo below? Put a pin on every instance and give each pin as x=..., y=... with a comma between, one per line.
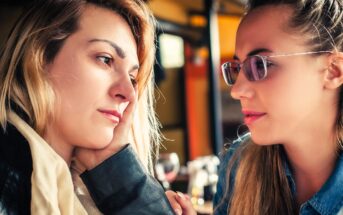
x=228, y=77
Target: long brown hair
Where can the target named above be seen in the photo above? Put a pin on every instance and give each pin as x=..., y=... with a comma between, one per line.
x=261, y=185
x=35, y=41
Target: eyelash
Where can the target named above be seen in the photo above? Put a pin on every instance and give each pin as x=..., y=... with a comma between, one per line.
x=106, y=60
x=133, y=81
x=269, y=63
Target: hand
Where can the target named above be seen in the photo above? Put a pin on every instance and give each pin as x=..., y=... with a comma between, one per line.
x=90, y=158
x=181, y=203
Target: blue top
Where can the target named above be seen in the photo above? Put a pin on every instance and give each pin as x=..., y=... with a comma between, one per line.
x=327, y=201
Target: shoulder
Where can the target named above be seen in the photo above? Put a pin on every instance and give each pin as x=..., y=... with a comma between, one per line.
x=15, y=172
x=329, y=199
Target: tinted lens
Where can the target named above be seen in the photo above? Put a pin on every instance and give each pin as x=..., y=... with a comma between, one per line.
x=254, y=68
x=230, y=72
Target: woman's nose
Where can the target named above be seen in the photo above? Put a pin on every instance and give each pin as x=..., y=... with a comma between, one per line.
x=241, y=88
x=123, y=89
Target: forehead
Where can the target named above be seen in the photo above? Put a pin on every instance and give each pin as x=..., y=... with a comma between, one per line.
x=101, y=23
x=267, y=27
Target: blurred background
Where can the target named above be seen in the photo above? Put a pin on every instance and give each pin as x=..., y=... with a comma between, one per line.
x=194, y=105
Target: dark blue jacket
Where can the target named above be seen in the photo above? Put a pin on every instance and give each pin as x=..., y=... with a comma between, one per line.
x=327, y=201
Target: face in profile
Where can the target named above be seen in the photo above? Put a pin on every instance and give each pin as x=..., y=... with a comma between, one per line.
x=93, y=77
x=279, y=107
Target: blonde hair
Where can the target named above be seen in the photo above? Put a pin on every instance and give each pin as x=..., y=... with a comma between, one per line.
x=36, y=39
x=260, y=184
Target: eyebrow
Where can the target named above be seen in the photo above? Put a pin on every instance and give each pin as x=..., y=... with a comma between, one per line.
x=119, y=50
x=254, y=52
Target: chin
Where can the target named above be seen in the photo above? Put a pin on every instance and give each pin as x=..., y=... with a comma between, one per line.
x=97, y=143
x=261, y=140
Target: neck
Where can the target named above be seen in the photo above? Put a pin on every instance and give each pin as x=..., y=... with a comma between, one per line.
x=62, y=148
x=312, y=159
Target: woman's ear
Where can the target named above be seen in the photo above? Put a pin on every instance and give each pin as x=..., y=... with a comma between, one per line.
x=334, y=72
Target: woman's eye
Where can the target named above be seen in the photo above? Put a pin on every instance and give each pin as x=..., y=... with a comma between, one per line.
x=235, y=67
x=133, y=81
x=259, y=65
x=104, y=59
x=269, y=64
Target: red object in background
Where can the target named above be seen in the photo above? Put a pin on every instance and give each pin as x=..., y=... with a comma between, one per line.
x=196, y=87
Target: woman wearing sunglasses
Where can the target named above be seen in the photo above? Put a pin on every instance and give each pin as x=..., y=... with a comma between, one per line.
x=287, y=73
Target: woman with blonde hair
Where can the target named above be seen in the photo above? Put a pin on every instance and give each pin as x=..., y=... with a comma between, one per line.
x=76, y=85
x=287, y=74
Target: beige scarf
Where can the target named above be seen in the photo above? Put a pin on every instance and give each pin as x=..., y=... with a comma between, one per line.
x=52, y=186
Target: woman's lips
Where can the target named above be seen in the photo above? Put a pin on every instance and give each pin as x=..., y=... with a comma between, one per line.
x=252, y=116
x=113, y=115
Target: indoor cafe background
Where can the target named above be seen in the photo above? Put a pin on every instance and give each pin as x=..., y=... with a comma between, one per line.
x=194, y=105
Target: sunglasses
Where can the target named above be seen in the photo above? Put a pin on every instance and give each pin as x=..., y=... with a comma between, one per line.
x=255, y=67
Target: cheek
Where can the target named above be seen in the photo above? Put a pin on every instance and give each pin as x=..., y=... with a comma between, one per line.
x=81, y=124
x=72, y=99
x=80, y=88
x=296, y=99
x=79, y=85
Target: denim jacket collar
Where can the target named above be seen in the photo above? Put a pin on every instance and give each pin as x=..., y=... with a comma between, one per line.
x=329, y=199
